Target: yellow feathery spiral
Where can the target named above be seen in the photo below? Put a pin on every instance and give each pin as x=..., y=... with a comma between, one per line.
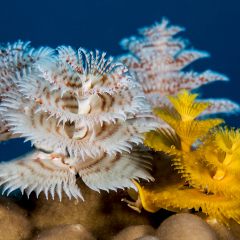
x=177, y=196
x=188, y=131
x=163, y=140
x=168, y=115
x=200, y=174
x=185, y=105
x=228, y=140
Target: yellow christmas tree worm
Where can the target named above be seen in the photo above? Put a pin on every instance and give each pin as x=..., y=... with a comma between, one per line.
x=182, y=118
x=207, y=177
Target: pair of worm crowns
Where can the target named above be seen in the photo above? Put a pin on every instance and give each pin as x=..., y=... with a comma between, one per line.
x=85, y=114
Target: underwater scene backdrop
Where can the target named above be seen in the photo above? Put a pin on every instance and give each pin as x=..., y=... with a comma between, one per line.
x=209, y=26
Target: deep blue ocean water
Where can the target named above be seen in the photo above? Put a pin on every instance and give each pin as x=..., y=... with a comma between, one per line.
x=211, y=25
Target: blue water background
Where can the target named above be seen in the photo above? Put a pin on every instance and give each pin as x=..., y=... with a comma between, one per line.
x=211, y=25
